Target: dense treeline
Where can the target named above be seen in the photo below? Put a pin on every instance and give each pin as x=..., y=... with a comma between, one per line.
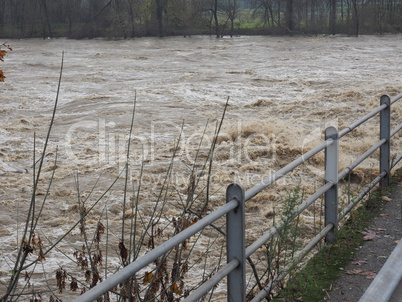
x=131, y=18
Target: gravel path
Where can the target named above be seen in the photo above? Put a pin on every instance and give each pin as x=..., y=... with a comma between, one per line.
x=386, y=229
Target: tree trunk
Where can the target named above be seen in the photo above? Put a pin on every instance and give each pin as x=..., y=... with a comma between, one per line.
x=342, y=12
x=279, y=13
x=312, y=10
x=159, y=16
x=2, y=13
x=216, y=18
x=132, y=19
x=289, y=17
x=332, y=19
x=232, y=14
x=22, y=20
x=47, y=19
x=69, y=10
x=271, y=14
x=355, y=17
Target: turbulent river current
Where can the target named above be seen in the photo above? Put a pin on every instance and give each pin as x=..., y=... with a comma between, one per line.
x=282, y=93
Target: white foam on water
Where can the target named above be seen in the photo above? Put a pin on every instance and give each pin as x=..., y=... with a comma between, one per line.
x=283, y=93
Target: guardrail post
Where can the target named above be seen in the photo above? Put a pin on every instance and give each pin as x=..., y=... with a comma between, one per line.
x=235, y=246
x=331, y=175
x=385, y=132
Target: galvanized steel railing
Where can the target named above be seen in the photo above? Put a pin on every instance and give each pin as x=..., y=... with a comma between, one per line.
x=234, y=209
x=383, y=286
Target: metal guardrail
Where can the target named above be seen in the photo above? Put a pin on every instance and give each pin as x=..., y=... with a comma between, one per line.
x=236, y=196
x=386, y=281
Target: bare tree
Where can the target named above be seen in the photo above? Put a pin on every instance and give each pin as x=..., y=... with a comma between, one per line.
x=160, y=7
x=266, y=6
x=289, y=17
x=231, y=12
x=332, y=17
x=355, y=17
x=127, y=18
x=46, y=21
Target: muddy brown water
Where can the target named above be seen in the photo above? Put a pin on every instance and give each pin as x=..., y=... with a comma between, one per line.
x=282, y=93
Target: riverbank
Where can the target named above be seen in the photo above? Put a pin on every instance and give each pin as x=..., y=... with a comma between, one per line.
x=342, y=272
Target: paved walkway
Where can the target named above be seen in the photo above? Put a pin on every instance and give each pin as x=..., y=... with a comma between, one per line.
x=358, y=275
x=397, y=295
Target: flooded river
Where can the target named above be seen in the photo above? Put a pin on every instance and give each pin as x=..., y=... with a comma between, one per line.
x=282, y=94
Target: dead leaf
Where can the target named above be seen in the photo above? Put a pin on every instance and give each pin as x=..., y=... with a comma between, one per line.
x=176, y=289
x=369, y=275
x=2, y=54
x=359, y=262
x=360, y=272
x=385, y=198
x=396, y=241
x=369, y=235
x=147, y=278
x=384, y=215
x=356, y=271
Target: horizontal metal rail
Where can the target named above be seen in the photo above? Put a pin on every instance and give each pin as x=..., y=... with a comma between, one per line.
x=214, y=280
x=360, y=159
x=385, y=283
x=149, y=257
x=367, y=117
x=396, y=98
x=282, y=172
x=396, y=161
x=395, y=131
x=362, y=120
x=263, y=293
x=390, y=275
x=359, y=197
x=264, y=238
x=236, y=262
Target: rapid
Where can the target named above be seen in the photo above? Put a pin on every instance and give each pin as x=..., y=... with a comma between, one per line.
x=283, y=92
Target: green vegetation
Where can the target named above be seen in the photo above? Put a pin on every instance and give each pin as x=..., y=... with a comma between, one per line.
x=324, y=268
x=280, y=250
